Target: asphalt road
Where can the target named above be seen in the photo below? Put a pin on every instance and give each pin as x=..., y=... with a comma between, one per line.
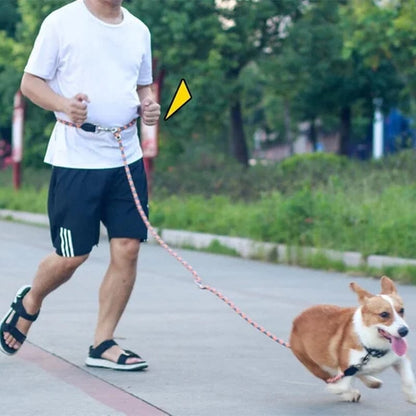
x=204, y=360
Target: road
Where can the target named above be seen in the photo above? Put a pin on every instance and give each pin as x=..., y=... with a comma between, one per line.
x=204, y=360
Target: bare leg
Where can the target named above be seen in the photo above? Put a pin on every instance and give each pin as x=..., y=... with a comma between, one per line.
x=52, y=272
x=115, y=292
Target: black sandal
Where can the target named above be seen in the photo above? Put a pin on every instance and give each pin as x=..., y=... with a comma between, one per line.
x=19, y=311
x=95, y=359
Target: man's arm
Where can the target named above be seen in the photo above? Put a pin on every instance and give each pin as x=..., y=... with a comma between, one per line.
x=40, y=93
x=150, y=109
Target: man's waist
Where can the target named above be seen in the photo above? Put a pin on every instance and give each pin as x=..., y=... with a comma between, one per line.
x=97, y=128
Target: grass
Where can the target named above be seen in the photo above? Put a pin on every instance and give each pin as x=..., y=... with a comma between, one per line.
x=218, y=248
x=31, y=197
x=320, y=201
x=348, y=220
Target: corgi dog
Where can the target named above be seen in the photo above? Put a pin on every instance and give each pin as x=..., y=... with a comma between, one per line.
x=339, y=344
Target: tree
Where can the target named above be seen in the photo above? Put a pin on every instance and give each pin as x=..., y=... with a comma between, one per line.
x=246, y=61
x=214, y=44
x=318, y=80
x=250, y=30
x=183, y=34
x=384, y=32
x=15, y=46
x=9, y=16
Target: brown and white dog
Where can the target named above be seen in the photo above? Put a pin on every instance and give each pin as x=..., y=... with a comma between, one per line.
x=355, y=342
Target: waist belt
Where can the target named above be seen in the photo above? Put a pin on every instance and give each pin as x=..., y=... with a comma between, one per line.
x=94, y=128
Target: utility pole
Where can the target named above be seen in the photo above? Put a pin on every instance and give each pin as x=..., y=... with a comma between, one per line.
x=17, y=137
x=378, y=129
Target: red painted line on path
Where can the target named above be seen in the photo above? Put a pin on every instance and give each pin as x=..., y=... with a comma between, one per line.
x=100, y=390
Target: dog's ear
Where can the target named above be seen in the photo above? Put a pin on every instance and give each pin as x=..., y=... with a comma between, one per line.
x=363, y=295
x=387, y=286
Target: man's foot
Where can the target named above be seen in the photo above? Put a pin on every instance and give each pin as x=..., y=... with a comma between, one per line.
x=108, y=354
x=15, y=325
x=113, y=353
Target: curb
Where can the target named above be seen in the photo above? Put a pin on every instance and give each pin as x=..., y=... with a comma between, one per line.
x=25, y=217
x=242, y=247
x=252, y=249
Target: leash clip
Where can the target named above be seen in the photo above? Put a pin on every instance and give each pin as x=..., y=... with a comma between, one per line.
x=94, y=128
x=200, y=284
x=107, y=129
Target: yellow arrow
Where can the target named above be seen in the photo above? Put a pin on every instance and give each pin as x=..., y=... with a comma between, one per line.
x=181, y=97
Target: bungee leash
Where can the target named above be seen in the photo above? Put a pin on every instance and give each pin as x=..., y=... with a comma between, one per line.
x=116, y=131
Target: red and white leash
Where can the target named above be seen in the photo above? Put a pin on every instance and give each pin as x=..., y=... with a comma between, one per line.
x=116, y=131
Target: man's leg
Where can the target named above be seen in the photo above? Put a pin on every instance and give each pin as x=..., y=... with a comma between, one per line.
x=52, y=272
x=115, y=292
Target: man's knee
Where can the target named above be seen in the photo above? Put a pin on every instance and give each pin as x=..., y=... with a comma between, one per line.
x=70, y=264
x=125, y=248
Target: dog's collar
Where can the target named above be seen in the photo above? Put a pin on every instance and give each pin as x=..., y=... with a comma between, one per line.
x=371, y=352
x=355, y=368
x=376, y=353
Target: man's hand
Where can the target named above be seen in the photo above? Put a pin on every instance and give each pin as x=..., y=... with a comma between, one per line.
x=150, y=111
x=76, y=108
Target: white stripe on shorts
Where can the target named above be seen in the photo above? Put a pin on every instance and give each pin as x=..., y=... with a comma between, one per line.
x=66, y=242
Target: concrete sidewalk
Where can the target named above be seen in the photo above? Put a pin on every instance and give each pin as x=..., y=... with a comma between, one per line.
x=204, y=360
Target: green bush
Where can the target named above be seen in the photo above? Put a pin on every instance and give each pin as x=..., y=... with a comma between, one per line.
x=317, y=200
x=370, y=224
x=26, y=199
x=206, y=173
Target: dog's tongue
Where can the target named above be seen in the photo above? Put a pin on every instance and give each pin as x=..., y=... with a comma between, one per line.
x=399, y=346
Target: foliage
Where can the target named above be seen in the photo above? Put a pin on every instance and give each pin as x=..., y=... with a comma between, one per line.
x=27, y=199
x=9, y=16
x=182, y=36
x=9, y=78
x=268, y=64
x=317, y=80
x=384, y=31
x=222, y=176
x=350, y=207
x=318, y=200
x=211, y=45
x=14, y=53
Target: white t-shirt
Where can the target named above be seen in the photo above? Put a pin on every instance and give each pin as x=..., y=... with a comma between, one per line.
x=75, y=52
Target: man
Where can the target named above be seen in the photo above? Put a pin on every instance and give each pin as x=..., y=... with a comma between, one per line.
x=91, y=63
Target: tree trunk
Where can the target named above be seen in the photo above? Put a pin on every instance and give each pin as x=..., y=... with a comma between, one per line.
x=288, y=127
x=238, y=139
x=345, y=130
x=313, y=137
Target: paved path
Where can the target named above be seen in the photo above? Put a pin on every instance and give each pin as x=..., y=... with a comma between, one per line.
x=204, y=359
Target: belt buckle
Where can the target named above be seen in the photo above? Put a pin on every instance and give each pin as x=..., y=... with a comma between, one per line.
x=106, y=129
x=93, y=128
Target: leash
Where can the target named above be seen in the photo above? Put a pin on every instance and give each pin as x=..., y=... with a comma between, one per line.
x=116, y=131
x=355, y=368
x=350, y=371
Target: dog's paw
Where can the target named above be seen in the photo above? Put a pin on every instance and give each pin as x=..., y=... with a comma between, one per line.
x=351, y=396
x=371, y=382
x=411, y=398
x=410, y=392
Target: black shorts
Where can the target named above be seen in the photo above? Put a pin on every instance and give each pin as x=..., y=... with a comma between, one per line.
x=80, y=198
